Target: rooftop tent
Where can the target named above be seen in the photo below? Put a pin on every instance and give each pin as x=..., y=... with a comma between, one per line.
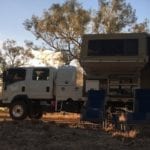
x=114, y=53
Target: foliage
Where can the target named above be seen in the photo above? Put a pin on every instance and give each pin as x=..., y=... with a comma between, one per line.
x=140, y=27
x=61, y=27
x=12, y=55
x=113, y=16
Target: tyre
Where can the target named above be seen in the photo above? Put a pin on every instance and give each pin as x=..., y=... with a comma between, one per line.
x=18, y=110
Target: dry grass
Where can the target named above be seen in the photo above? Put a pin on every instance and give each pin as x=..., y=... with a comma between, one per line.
x=127, y=134
x=62, y=115
x=65, y=131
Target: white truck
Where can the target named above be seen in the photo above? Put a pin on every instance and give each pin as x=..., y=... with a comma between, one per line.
x=31, y=91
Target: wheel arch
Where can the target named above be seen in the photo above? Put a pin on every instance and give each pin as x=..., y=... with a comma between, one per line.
x=21, y=97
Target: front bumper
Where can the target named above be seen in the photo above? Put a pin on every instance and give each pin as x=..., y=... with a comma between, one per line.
x=3, y=104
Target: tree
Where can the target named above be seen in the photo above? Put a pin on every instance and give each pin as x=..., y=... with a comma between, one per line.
x=12, y=55
x=141, y=27
x=113, y=16
x=61, y=27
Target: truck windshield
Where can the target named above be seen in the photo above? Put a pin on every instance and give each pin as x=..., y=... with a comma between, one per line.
x=14, y=75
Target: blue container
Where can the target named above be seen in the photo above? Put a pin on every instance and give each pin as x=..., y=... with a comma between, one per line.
x=144, y=106
x=95, y=99
x=139, y=116
x=136, y=117
x=142, y=100
x=139, y=92
x=142, y=94
x=92, y=115
x=147, y=116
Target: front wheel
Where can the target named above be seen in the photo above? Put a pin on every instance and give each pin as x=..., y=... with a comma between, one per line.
x=18, y=110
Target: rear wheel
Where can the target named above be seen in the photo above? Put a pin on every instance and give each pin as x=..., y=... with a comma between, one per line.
x=18, y=110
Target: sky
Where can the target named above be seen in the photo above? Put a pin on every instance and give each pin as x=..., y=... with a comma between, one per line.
x=14, y=12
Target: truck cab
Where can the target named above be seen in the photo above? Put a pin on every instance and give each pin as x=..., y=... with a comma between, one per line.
x=34, y=83
x=28, y=91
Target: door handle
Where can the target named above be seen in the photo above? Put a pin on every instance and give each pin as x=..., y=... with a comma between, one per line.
x=47, y=89
x=23, y=89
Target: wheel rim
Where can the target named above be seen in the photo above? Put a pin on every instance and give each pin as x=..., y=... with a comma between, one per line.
x=17, y=111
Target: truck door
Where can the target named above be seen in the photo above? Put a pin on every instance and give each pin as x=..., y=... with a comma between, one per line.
x=41, y=85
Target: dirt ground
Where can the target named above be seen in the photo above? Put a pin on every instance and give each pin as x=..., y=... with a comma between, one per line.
x=64, y=132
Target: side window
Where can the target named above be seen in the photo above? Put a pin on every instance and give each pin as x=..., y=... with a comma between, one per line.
x=40, y=74
x=15, y=75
